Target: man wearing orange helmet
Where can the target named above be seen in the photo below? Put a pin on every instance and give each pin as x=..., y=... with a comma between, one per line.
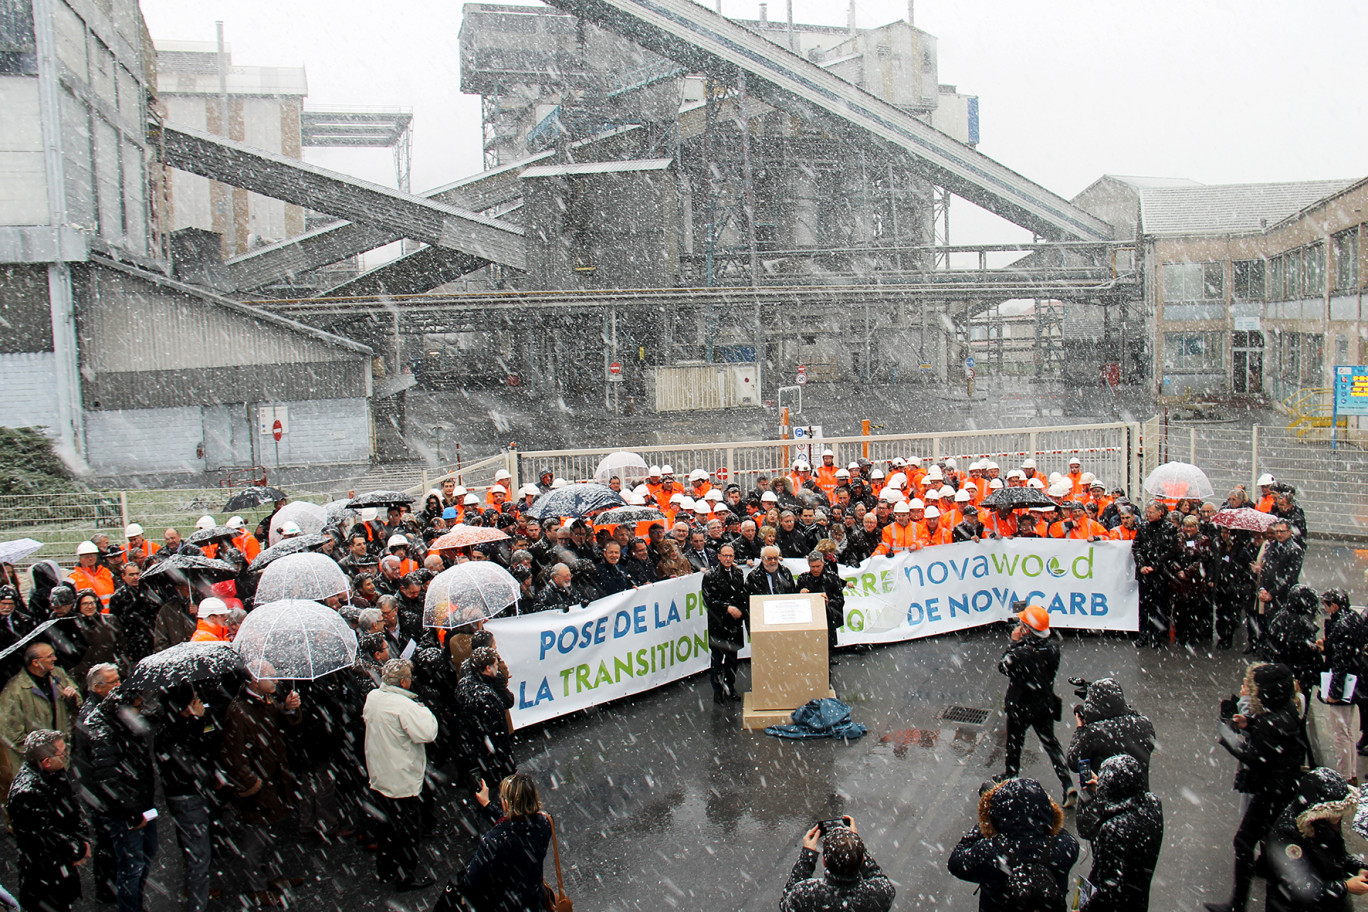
x=1030, y=664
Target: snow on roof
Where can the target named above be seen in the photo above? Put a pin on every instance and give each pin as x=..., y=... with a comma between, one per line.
x=1140, y=182
x=1227, y=208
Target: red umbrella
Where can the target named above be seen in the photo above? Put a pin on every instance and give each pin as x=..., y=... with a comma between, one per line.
x=462, y=536
x=1245, y=518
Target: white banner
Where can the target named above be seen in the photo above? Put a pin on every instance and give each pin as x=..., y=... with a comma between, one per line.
x=638, y=640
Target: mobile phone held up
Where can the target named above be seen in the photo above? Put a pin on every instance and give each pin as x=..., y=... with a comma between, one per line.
x=826, y=826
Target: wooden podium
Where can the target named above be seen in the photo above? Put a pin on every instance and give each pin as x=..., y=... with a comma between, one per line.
x=788, y=657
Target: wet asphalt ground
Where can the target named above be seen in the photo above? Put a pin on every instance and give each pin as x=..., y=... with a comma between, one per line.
x=663, y=801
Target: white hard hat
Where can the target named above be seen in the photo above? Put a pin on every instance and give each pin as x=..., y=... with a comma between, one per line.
x=877, y=473
x=86, y=547
x=917, y=504
x=1028, y=464
x=667, y=470
x=368, y=514
x=205, y=522
x=698, y=475
x=396, y=541
x=559, y=482
x=701, y=506
x=1087, y=478
x=502, y=474
x=470, y=499
x=210, y=607
x=975, y=465
x=1060, y=489
x=1074, y=460
x=915, y=461
x=934, y=473
x=962, y=496
x=853, y=466
x=828, y=452
x=1265, y=480
x=897, y=462
x=677, y=497
x=132, y=529
x=1016, y=473
x=897, y=480
x=995, y=484
x=237, y=522
x=498, y=489
x=527, y=489
x=635, y=499
x=769, y=497
x=946, y=491
x=801, y=464
x=653, y=472
x=842, y=473
x=901, y=507
x=1033, y=482
x=933, y=493
x=950, y=462
x=1098, y=483
x=714, y=495
x=288, y=528
x=932, y=512
x=1055, y=478
x=685, y=503
x=892, y=495
x=459, y=491
x=989, y=465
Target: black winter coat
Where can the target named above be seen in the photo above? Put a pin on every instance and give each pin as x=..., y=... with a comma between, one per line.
x=1111, y=728
x=1030, y=666
x=1016, y=818
x=49, y=833
x=861, y=545
x=758, y=581
x=1291, y=638
x=135, y=608
x=554, y=598
x=831, y=584
x=722, y=587
x=869, y=890
x=1154, y=546
x=488, y=742
x=1125, y=823
x=613, y=578
x=505, y=873
x=112, y=755
x=1281, y=569
x=186, y=749
x=1345, y=635
x=1273, y=745
x=795, y=543
x=1306, y=846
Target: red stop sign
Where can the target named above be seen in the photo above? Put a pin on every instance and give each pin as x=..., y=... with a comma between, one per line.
x=277, y=430
x=615, y=367
x=721, y=474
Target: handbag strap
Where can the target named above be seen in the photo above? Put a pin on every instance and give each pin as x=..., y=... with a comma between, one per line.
x=555, y=851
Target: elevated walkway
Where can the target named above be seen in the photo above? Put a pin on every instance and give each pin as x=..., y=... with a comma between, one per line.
x=705, y=41
x=477, y=238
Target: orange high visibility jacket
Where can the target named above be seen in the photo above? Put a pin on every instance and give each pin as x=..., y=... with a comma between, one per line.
x=996, y=525
x=1084, y=530
x=1076, y=481
x=898, y=538
x=701, y=491
x=942, y=535
x=662, y=499
x=1121, y=533
x=210, y=550
x=826, y=479
x=1266, y=504
x=99, y=579
x=204, y=633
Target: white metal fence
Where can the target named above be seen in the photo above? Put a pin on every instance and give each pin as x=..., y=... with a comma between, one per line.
x=1332, y=484
x=1109, y=451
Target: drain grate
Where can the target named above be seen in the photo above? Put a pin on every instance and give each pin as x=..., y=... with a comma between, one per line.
x=965, y=715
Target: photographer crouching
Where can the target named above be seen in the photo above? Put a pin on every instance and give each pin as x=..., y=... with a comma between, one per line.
x=852, y=880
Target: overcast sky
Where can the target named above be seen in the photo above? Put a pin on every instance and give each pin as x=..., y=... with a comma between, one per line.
x=1216, y=91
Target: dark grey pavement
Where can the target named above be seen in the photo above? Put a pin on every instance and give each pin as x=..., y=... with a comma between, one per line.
x=663, y=802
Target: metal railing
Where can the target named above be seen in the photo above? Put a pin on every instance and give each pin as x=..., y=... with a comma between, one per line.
x=1110, y=451
x=473, y=475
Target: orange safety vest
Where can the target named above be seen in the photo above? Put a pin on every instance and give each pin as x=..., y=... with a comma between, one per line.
x=149, y=548
x=101, y=580
x=996, y=525
x=701, y=491
x=248, y=545
x=204, y=634
x=210, y=550
x=1075, y=482
x=1266, y=503
x=826, y=479
x=1121, y=533
x=942, y=535
x=897, y=538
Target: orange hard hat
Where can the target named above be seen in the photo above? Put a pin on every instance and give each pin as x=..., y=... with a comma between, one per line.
x=1036, y=618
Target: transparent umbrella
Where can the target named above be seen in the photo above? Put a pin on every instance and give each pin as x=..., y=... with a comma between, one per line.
x=307, y=575
x=336, y=512
x=468, y=593
x=309, y=517
x=1175, y=481
x=295, y=640
x=628, y=466
x=18, y=549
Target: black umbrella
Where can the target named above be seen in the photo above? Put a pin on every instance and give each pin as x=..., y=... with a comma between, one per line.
x=249, y=498
x=628, y=514
x=1017, y=497
x=184, y=663
x=288, y=546
x=380, y=499
x=191, y=563
x=575, y=500
x=204, y=536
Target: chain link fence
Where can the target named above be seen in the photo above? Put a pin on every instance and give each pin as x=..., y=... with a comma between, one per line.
x=1331, y=483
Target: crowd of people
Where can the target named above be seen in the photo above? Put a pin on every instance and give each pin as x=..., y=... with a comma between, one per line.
x=421, y=723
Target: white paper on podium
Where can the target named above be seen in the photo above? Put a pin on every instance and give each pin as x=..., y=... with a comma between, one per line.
x=788, y=611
